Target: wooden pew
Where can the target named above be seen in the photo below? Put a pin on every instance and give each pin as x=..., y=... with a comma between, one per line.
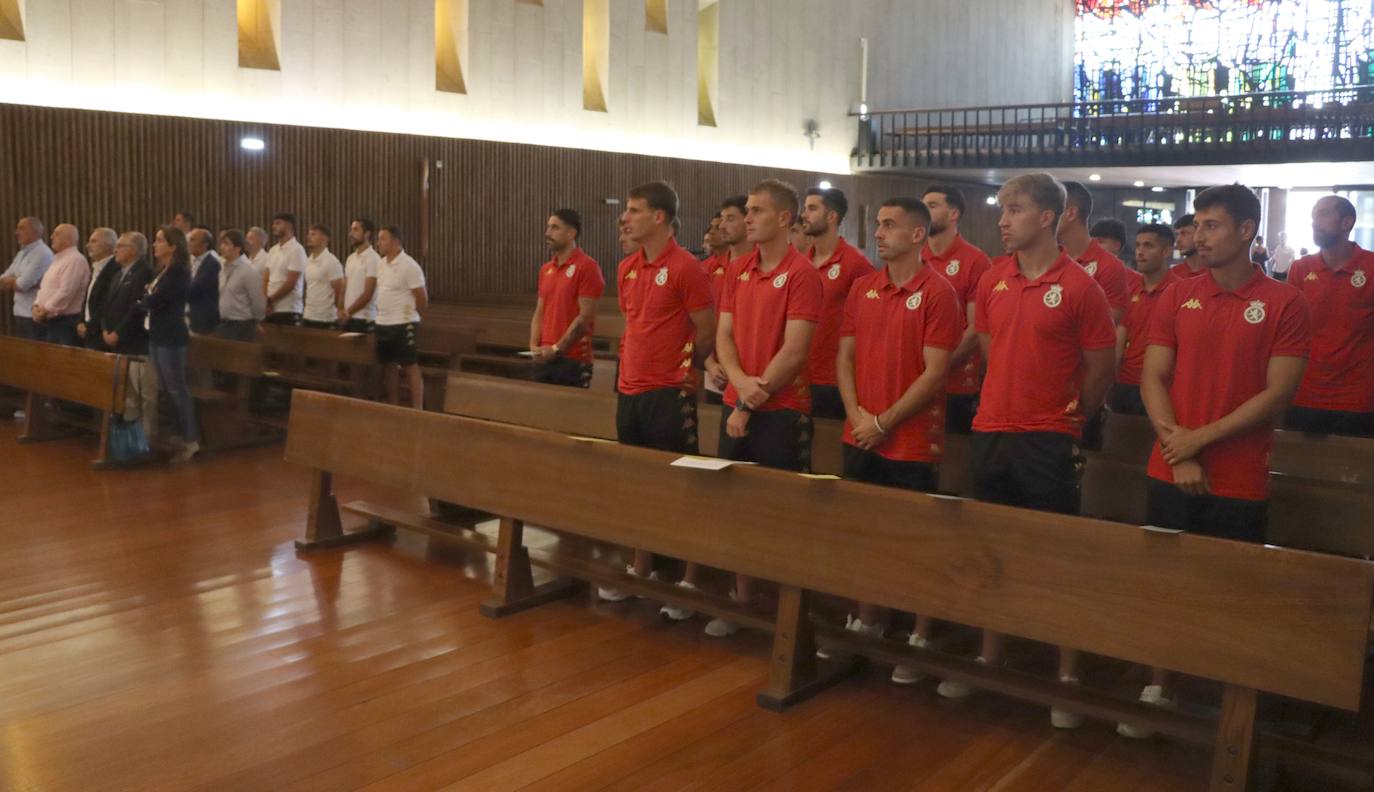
x=224, y=413
x=80, y=376
x=1308, y=512
x=309, y=358
x=1257, y=619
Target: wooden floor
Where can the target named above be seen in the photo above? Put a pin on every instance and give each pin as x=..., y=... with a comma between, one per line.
x=158, y=632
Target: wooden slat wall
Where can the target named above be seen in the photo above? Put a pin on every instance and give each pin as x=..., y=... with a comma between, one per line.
x=489, y=201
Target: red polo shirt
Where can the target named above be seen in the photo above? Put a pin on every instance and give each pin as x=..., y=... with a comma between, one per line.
x=963, y=266
x=1182, y=270
x=891, y=326
x=1137, y=324
x=1222, y=343
x=1340, y=375
x=838, y=274
x=657, y=298
x=1110, y=273
x=1039, y=330
x=560, y=288
x=761, y=306
x=715, y=267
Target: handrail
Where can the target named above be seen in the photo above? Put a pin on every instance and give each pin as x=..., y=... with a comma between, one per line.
x=1369, y=87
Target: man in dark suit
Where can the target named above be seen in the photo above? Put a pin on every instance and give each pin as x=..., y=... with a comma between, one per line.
x=202, y=299
x=101, y=248
x=121, y=325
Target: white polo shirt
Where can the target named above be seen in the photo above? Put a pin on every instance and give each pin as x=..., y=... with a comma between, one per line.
x=361, y=266
x=286, y=257
x=321, y=270
x=396, y=281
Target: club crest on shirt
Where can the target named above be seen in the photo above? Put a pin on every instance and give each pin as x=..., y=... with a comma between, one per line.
x=1359, y=279
x=1254, y=314
x=834, y=272
x=662, y=277
x=913, y=302
x=1054, y=296
x=952, y=268
x=570, y=270
x=1001, y=286
x=1091, y=267
x=871, y=294
x=782, y=279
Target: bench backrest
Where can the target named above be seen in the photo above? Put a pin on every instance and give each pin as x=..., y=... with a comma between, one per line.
x=95, y=379
x=331, y=345
x=241, y=358
x=1277, y=620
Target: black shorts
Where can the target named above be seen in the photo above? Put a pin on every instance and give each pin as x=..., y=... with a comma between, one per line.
x=959, y=411
x=777, y=439
x=872, y=468
x=564, y=371
x=357, y=326
x=314, y=325
x=1314, y=421
x=665, y=419
x=1125, y=399
x=1092, y=431
x=826, y=402
x=1209, y=515
x=283, y=318
x=714, y=398
x=396, y=344
x=1033, y=470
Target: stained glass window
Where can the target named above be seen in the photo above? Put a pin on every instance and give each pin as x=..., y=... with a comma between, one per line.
x=1148, y=49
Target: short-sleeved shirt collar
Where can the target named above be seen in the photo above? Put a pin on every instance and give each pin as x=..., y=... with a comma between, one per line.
x=912, y=285
x=1243, y=292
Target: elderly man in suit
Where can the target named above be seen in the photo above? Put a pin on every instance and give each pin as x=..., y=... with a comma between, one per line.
x=202, y=299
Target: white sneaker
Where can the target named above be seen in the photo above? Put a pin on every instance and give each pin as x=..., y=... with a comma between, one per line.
x=1151, y=694
x=958, y=690
x=609, y=594
x=1062, y=718
x=187, y=451
x=906, y=675
x=720, y=628
x=852, y=624
x=674, y=613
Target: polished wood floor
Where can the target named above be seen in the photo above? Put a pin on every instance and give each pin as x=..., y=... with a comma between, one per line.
x=158, y=632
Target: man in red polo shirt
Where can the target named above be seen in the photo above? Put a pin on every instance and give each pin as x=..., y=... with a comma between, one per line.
x=1337, y=391
x=900, y=327
x=565, y=313
x=1108, y=270
x=839, y=264
x=1153, y=243
x=1046, y=330
x=1190, y=266
x=962, y=264
x=734, y=239
x=1226, y=353
x=669, y=324
x=768, y=315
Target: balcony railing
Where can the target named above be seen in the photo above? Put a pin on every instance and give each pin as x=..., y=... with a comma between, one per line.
x=1289, y=126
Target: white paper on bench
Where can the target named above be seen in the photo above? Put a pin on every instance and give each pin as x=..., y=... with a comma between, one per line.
x=705, y=463
x=1158, y=529
x=525, y=353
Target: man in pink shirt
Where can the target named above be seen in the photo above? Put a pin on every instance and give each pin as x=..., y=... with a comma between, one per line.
x=57, y=309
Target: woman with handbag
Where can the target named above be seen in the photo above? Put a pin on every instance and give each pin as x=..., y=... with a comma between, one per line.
x=168, y=337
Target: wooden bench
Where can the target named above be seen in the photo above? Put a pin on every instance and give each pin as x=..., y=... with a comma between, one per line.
x=309, y=358
x=1255, y=618
x=224, y=409
x=80, y=376
x=1309, y=512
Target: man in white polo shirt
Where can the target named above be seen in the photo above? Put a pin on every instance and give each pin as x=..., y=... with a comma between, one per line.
x=285, y=273
x=401, y=296
x=324, y=281
x=360, y=274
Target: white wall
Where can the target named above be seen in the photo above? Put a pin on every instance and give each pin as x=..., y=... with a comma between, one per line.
x=369, y=64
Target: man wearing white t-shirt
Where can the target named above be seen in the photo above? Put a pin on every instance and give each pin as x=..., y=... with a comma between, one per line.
x=285, y=273
x=360, y=273
x=324, y=281
x=401, y=296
